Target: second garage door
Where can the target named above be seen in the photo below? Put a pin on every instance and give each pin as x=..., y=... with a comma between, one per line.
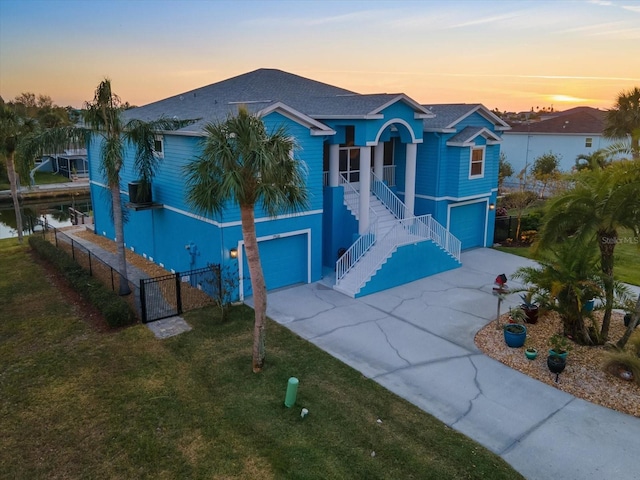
x=467, y=223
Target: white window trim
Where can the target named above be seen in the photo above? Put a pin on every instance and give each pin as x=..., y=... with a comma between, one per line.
x=160, y=154
x=588, y=142
x=484, y=161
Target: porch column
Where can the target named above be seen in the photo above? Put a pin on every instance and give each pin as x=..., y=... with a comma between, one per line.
x=410, y=179
x=378, y=161
x=365, y=187
x=334, y=165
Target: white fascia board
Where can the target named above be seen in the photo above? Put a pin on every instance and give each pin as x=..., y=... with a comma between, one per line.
x=349, y=117
x=486, y=113
x=409, y=101
x=298, y=117
x=440, y=130
x=485, y=132
x=179, y=133
x=454, y=199
x=497, y=121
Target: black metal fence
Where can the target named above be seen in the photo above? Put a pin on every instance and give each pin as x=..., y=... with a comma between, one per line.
x=505, y=227
x=171, y=295
x=154, y=298
x=96, y=266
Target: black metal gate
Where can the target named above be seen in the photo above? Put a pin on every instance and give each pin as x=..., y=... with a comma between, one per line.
x=171, y=295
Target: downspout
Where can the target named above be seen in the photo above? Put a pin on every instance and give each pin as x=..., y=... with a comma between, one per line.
x=438, y=162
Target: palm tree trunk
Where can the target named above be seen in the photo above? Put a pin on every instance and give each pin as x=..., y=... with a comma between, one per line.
x=635, y=317
x=257, y=284
x=13, y=180
x=607, y=243
x=119, y=228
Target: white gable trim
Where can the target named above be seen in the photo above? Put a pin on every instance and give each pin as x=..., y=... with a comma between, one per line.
x=317, y=128
x=492, y=139
x=421, y=112
x=390, y=122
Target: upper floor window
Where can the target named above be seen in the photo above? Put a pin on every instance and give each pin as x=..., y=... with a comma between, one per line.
x=476, y=169
x=588, y=142
x=158, y=146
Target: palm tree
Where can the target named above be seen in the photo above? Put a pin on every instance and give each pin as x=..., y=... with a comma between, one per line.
x=243, y=164
x=624, y=119
x=600, y=203
x=592, y=161
x=565, y=280
x=104, y=122
x=13, y=128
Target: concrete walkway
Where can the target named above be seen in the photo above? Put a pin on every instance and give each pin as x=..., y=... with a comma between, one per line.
x=417, y=341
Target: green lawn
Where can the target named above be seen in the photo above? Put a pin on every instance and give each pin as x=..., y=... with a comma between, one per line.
x=75, y=403
x=42, y=178
x=627, y=257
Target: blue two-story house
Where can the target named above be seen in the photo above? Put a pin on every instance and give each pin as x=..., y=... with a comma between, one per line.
x=397, y=189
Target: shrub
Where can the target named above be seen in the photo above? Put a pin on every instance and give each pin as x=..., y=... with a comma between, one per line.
x=116, y=311
x=531, y=221
x=617, y=363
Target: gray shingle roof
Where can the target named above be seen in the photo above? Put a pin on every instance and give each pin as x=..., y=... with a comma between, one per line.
x=579, y=120
x=466, y=134
x=448, y=113
x=258, y=90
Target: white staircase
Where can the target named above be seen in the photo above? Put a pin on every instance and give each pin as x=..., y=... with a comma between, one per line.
x=389, y=229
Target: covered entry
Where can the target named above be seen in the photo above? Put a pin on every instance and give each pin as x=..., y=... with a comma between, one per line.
x=467, y=222
x=285, y=261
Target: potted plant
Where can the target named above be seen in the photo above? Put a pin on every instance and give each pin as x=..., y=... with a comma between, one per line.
x=517, y=315
x=529, y=307
x=531, y=353
x=515, y=334
x=556, y=364
x=560, y=346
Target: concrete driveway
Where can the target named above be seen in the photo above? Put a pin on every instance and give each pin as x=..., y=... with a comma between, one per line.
x=417, y=341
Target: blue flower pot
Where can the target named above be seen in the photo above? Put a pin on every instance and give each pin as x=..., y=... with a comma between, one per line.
x=588, y=306
x=531, y=354
x=515, y=335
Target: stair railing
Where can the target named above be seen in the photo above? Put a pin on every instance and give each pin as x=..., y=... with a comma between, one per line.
x=356, y=251
x=388, y=198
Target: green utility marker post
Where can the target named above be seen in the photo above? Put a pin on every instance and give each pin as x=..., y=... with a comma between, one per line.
x=292, y=391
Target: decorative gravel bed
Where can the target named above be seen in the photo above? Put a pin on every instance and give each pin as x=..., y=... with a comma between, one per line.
x=583, y=376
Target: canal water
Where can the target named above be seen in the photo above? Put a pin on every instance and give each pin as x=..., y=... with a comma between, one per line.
x=56, y=213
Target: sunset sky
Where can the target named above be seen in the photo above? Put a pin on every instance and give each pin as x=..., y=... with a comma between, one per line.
x=511, y=55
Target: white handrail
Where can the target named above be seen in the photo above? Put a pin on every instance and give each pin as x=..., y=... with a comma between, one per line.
x=369, y=251
x=388, y=198
x=356, y=251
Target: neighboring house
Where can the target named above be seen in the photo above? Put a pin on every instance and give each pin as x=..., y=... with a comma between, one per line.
x=566, y=134
x=69, y=163
x=396, y=188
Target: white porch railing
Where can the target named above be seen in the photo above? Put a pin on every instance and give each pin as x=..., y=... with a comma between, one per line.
x=389, y=175
x=388, y=198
